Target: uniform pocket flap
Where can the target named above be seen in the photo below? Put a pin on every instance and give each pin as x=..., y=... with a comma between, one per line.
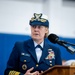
x=25, y=59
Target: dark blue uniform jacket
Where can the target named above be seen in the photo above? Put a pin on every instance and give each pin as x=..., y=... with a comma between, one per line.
x=23, y=57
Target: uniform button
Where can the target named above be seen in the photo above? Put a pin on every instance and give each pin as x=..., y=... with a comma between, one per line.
x=37, y=65
x=24, y=60
x=50, y=64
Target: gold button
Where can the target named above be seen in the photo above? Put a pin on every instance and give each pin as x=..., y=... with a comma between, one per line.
x=50, y=64
x=24, y=60
x=37, y=65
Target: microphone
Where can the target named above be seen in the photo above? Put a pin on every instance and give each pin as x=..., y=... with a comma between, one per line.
x=55, y=39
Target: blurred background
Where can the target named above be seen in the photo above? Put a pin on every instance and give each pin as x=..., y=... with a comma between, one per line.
x=14, y=23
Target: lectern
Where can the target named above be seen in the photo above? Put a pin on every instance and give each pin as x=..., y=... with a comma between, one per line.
x=60, y=70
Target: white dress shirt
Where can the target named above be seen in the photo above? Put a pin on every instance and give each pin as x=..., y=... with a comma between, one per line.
x=38, y=51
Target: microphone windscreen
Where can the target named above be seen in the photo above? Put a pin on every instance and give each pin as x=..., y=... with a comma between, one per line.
x=53, y=38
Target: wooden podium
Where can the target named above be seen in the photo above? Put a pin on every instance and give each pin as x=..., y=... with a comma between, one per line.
x=60, y=70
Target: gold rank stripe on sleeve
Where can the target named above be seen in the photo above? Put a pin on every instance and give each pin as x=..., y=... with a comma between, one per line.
x=14, y=73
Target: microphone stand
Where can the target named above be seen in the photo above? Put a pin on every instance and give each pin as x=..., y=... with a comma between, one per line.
x=69, y=48
x=67, y=43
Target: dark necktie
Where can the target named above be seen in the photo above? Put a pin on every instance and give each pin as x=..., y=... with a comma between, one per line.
x=38, y=46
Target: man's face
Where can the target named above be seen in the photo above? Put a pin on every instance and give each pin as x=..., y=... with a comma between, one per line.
x=38, y=32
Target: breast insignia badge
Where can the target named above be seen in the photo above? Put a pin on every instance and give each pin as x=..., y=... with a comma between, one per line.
x=51, y=54
x=24, y=66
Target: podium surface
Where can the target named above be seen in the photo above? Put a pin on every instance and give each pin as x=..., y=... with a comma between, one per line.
x=60, y=70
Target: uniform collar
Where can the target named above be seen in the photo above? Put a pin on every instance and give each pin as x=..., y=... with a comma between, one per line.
x=35, y=44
